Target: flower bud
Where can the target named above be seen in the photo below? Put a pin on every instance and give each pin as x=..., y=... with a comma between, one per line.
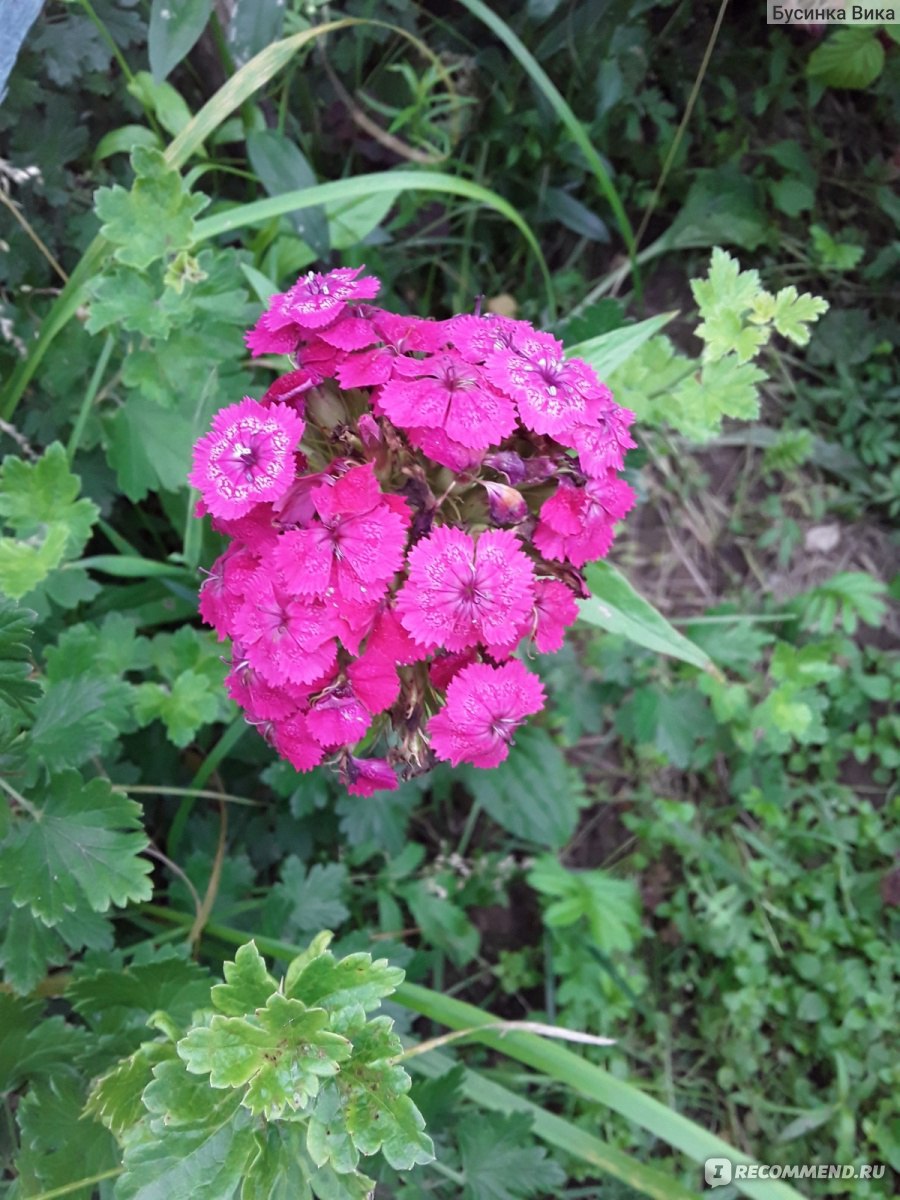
x=506, y=505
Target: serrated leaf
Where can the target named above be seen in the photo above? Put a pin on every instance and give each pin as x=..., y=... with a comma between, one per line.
x=153, y=220
x=28, y=947
x=16, y=686
x=184, y=708
x=790, y=312
x=616, y=607
x=533, y=794
x=32, y=1045
x=442, y=923
x=24, y=566
x=58, y=1144
x=725, y=388
x=610, y=907
x=83, y=850
x=111, y=648
x=329, y=983
x=312, y=897
x=110, y=1001
x=115, y=1099
x=368, y=1107
x=123, y=297
x=38, y=502
x=848, y=58
x=726, y=287
x=149, y=448
x=282, y=1053
x=501, y=1162
x=75, y=720
x=248, y=984
x=174, y=30
x=725, y=332
x=195, y=1142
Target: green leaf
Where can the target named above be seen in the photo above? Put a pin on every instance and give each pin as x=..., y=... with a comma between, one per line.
x=186, y=706
x=153, y=220
x=500, y=1161
x=174, y=29
x=610, y=350
x=123, y=140
x=792, y=196
x=111, y=648
x=616, y=607
x=726, y=387
x=82, y=850
x=283, y=1052
x=282, y=167
x=122, y=297
x=789, y=312
x=75, y=719
x=441, y=922
x=193, y=1142
x=32, y=1045
x=149, y=448
x=533, y=794
x=116, y=1000
x=312, y=898
x=323, y=981
x=16, y=686
x=610, y=907
x=248, y=985
x=367, y=1108
x=28, y=947
x=38, y=503
x=350, y=221
x=162, y=99
x=848, y=58
x=36, y=494
x=115, y=1099
x=58, y=1144
x=726, y=286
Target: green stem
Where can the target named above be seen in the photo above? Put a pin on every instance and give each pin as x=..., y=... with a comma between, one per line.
x=222, y=748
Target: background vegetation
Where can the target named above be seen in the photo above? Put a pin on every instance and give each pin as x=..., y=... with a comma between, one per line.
x=694, y=851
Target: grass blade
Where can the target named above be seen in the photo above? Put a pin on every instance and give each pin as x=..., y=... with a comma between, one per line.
x=559, y=1132
x=259, y=211
x=561, y=107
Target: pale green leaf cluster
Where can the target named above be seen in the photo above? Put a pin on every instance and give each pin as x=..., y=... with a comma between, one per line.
x=277, y=1089
x=738, y=317
x=155, y=219
x=45, y=523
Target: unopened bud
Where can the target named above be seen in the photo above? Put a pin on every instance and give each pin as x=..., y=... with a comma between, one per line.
x=506, y=505
x=325, y=407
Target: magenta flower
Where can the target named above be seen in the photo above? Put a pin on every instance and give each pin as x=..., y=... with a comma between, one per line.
x=356, y=545
x=318, y=300
x=485, y=706
x=247, y=458
x=397, y=336
x=459, y=593
x=553, y=393
x=443, y=392
x=577, y=524
x=379, y=582
x=604, y=441
x=285, y=639
x=366, y=776
x=293, y=741
x=476, y=338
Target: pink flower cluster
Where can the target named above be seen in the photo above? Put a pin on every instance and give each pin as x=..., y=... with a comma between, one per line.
x=407, y=506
